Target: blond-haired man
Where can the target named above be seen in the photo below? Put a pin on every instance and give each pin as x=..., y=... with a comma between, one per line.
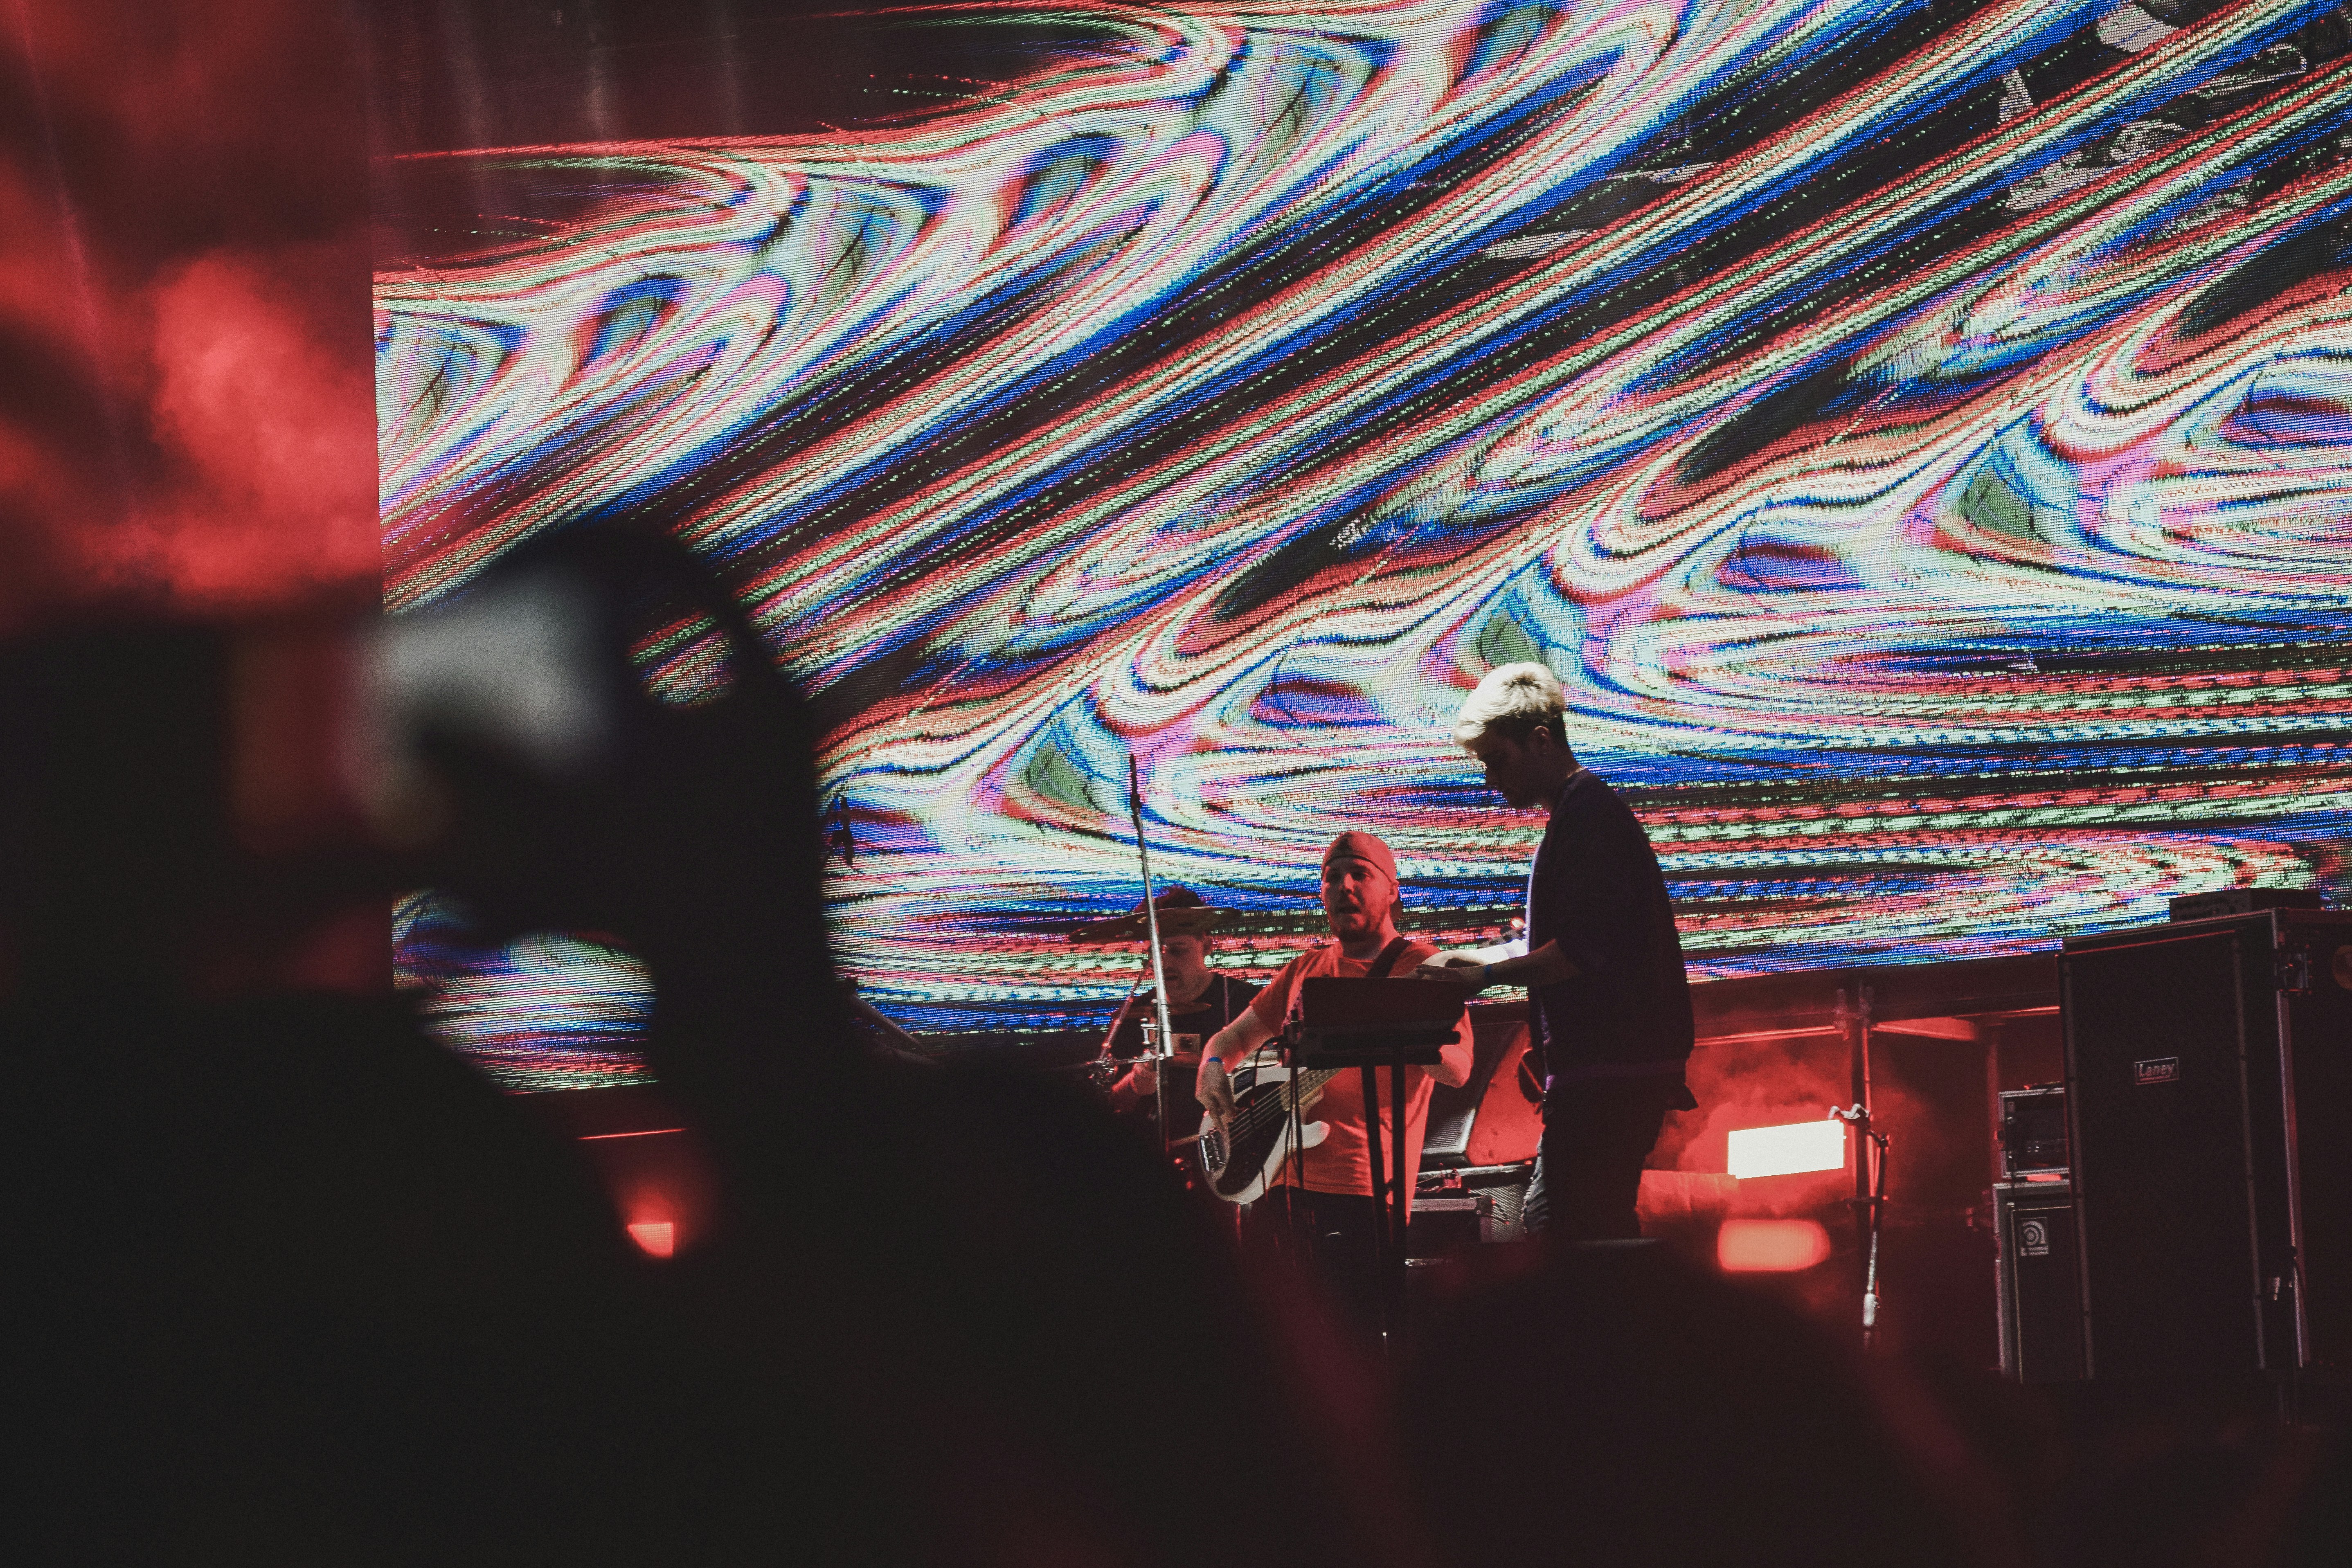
x=1608, y=1003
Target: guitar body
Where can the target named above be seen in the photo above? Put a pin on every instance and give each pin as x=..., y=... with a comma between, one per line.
x=1241, y=1162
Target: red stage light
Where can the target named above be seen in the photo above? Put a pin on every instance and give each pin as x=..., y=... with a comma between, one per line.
x=1771, y=1246
x=658, y=1236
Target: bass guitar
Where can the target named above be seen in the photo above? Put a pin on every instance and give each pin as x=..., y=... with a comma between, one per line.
x=1240, y=1161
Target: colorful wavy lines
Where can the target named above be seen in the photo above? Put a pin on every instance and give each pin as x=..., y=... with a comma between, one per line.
x=1922, y=442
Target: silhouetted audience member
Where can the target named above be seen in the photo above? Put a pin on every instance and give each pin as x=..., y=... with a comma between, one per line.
x=1612, y=1404
x=289, y=1283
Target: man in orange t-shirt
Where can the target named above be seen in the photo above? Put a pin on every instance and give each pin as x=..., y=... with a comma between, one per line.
x=1333, y=1224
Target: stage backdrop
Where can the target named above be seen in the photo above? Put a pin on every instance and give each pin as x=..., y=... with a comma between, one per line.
x=1915, y=433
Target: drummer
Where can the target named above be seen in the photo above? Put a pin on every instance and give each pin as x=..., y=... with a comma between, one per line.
x=1200, y=1002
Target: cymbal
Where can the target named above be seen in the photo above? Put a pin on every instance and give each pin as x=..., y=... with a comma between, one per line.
x=1184, y=1009
x=1187, y=921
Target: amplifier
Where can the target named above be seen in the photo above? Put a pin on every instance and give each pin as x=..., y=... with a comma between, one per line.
x=1457, y=1209
x=1449, y=1224
x=2033, y=1130
x=2208, y=1094
x=1496, y=1117
x=2041, y=1282
x=2241, y=902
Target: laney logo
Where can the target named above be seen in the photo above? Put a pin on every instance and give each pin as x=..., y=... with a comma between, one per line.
x=2163, y=1070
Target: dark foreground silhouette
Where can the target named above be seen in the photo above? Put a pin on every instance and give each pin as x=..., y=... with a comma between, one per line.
x=288, y=1283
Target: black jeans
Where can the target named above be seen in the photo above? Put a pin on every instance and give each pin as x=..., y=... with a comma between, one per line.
x=1597, y=1134
x=1333, y=1236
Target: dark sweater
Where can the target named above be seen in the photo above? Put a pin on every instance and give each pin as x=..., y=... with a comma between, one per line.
x=1596, y=890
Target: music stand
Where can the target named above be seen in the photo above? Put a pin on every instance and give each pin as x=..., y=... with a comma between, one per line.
x=1369, y=1024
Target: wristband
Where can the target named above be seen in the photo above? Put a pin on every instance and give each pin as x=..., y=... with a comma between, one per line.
x=1217, y=1062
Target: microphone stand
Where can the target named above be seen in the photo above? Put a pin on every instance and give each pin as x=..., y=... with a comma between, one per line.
x=1106, y=1065
x=1858, y=1117
x=1111, y=1034
x=1166, y=1044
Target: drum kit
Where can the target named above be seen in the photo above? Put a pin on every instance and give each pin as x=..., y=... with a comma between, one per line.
x=1179, y=911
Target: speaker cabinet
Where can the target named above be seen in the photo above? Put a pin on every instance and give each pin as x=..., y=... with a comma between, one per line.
x=2041, y=1282
x=1496, y=1116
x=2208, y=1093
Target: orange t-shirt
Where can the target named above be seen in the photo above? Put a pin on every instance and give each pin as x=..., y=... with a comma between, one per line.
x=1342, y=1162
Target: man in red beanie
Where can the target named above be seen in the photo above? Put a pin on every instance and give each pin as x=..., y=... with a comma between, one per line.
x=1333, y=1224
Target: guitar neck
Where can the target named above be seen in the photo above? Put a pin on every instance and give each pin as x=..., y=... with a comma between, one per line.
x=1304, y=1086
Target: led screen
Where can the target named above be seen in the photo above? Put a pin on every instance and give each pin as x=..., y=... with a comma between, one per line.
x=1916, y=434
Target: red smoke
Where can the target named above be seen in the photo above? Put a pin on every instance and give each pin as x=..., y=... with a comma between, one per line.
x=186, y=413
x=1759, y=1083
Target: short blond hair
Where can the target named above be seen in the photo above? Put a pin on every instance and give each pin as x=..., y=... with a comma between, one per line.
x=1514, y=702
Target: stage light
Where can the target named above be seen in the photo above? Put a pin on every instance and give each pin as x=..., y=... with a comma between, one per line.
x=1786, y=1151
x=1771, y=1246
x=658, y=1236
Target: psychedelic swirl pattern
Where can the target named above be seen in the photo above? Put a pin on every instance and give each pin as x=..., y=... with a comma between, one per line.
x=1922, y=442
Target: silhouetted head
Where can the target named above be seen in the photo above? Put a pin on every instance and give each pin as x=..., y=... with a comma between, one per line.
x=1515, y=724
x=593, y=738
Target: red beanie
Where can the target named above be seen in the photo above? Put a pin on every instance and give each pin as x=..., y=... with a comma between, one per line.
x=1358, y=846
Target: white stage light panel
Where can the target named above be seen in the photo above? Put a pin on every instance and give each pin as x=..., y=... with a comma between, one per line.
x=1788, y=1151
